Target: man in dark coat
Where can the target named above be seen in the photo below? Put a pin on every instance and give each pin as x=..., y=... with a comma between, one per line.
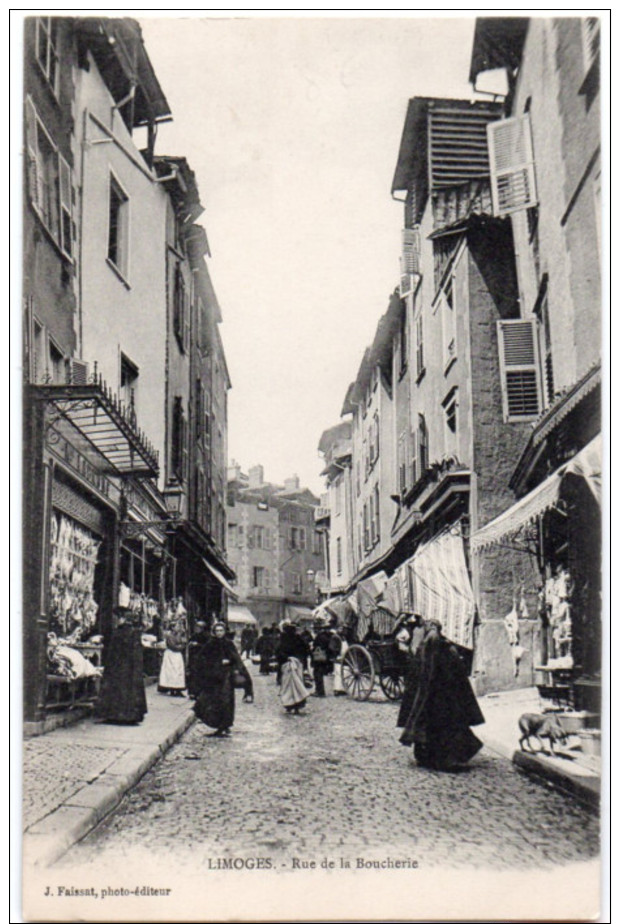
x=444, y=707
x=265, y=648
x=321, y=662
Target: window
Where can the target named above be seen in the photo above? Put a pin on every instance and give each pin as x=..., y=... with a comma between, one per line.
x=402, y=463
x=296, y=582
x=118, y=225
x=57, y=367
x=129, y=381
x=339, y=555
x=519, y=370
x=232, y=536
x=541, y=310
x=50, y=185
x=259, y=537
x=39, y=357
x=450, y=406
x=448, y=325
x=371, y=520
x=180, y=308
x=178, y=460
x=47, y=49
x=316, y=542
x=403, y=341
x=337, y=498
x=511, y=162
x=259, y=578
x=297, y=538
x=374, y=439
x=419, y=347
x=366, y=529
x=377, y=515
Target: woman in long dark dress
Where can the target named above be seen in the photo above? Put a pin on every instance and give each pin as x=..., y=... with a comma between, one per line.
x=216, y=664
x=292, y=655
x=122, y=700
x=444, y=706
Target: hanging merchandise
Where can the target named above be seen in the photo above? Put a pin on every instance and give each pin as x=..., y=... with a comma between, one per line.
x=74, y=553
x=557, y=595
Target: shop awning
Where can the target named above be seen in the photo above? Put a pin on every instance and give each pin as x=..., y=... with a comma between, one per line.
x=441, y=589
x=104, y=423
x=302, y=615
x=220, y=579
x=237, y=613
x=587, y=464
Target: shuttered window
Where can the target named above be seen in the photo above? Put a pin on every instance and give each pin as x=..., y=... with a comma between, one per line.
x=410, y=263
x=519, y=370
x=511, y=158
x=50, y=186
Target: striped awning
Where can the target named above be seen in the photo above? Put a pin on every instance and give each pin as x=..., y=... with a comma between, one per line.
x=586, y=463
x=441, y=588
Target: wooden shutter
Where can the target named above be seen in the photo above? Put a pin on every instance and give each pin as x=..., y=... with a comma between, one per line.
x=33, y=167
x=65, y=206
x=411, y=251
x=591, y=29
x=302, y=538
x=511, y=158
x=519, y=369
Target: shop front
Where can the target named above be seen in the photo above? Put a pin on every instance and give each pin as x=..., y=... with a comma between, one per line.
x=79, y=451
x=561, y=520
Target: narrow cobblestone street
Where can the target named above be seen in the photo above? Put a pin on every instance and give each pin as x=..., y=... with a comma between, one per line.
x=334, y=781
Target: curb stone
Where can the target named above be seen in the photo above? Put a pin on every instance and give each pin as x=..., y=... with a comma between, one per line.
x=51, y=837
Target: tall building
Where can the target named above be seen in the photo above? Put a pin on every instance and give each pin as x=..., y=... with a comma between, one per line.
x=118, y=307
x=274, y=546
x=487, y=362
x=545, y=155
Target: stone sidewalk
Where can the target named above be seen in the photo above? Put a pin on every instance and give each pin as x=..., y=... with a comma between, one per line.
x=75, y=775
x=570, y=770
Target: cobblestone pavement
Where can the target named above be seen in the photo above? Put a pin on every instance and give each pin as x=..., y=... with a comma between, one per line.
x=44, y=788
x=335, y=781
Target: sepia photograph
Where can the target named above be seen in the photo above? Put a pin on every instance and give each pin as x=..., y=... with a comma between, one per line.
x=311, y=386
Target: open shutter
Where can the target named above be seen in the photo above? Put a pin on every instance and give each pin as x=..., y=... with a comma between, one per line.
x=511, y=158
x=411, y=250
x=32, y=162
x=591, y=29
x=519, y=370
x=66, y=207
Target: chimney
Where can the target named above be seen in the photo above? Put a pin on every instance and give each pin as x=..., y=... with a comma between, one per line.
x=292, y=484
x=256, y=475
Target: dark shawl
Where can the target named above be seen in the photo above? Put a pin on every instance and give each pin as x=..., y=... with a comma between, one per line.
x=444, y=706
x=122, y=697
x=215, y=705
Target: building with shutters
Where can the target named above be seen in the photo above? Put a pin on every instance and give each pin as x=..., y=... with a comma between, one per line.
x=120, y=321
x=334, y=515
x=545, y=159
x=274, y=546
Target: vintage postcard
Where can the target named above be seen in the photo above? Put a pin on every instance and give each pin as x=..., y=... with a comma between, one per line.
x=311, y=342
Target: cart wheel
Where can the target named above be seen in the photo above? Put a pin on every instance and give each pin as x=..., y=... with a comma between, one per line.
x=393, y=685
x=358, y=673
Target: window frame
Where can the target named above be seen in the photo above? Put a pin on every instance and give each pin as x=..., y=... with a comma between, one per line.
x=49, y=24
x=121, y=244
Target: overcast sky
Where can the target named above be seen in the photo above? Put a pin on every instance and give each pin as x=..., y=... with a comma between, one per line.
x=293, y=126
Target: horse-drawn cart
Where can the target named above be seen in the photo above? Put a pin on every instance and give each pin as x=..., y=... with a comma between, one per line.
x=374, y=655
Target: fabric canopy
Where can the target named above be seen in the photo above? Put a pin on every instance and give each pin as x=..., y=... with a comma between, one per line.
x=370, y=591
x=441, y=589
x=241, y=615
x=220, y=579
x=301, y=615
x=587, y=464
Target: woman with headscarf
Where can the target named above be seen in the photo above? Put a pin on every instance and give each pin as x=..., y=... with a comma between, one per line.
x=292, y=658
x=217, y=663
x=172, y=671
x=122, y=700
x=444, y=706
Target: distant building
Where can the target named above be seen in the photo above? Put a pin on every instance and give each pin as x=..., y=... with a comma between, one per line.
x=273, y=545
